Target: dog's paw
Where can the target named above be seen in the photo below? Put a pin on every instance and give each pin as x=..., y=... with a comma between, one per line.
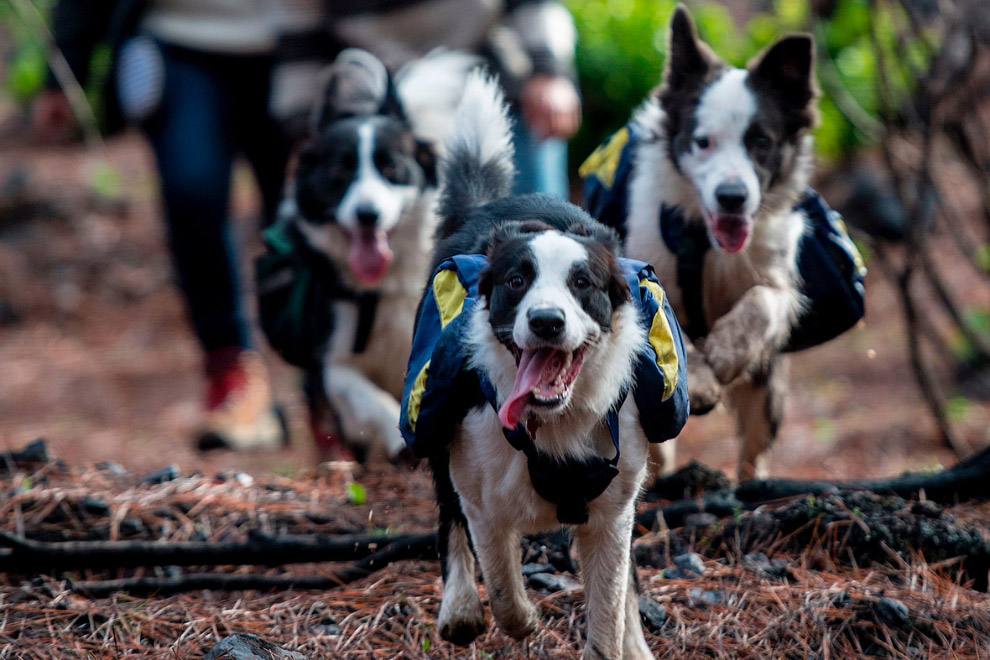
x=704, y=391
x=462, y=624
x=728, y=351
x=518, y=622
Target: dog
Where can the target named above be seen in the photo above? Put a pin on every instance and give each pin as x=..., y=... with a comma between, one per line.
x=729, y=150
x=362, y=202
x=540, y=357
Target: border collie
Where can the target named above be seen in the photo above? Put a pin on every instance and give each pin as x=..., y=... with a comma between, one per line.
x=362, y=196
x=555, y=336
x=731, y=150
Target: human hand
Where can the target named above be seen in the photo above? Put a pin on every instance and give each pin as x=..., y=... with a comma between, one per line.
x=551, y=107
x=51, y=116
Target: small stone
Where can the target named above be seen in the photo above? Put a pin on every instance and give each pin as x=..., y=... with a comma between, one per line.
x=534, y=568
x=328, y=626
x=893, y=612
x=167, y=473
x=250, y=647
x=131, y=527
x=112, y=468
x=94, y=506
x=652, y=613
x=552, y=582
x=707, y=596
x=690, y=561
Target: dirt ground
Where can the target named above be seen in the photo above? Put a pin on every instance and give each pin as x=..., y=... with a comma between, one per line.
x=97, y=358
x=102, y=364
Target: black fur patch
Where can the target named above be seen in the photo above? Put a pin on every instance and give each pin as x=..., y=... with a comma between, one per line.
x=328, y=164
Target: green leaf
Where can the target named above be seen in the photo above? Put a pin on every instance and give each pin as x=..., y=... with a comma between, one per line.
x=426, y=644
x=356, y=493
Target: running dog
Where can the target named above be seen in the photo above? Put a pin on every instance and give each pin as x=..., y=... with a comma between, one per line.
x=557, y=363
x=361, y=206
x=723, y=160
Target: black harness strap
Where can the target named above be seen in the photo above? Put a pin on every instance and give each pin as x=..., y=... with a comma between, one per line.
x=322, y=267
x=367, y=302
x=568, y=483
x=689, y=242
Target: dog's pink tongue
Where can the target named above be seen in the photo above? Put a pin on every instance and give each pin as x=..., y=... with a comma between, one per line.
x=731, y=232
x=369, y=255
x=533, y=365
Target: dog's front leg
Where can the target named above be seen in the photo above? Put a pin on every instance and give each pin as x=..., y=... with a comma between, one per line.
x=367, y=412
x=704, y=391
x=745, y=339
x=498, y=551
x=603, y=548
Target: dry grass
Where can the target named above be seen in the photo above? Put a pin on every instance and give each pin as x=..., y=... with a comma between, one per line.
x=731, y=612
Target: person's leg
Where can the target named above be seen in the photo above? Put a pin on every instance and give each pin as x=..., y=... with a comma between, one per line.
x=258, y=135
x=193, y=143
x=541, y=165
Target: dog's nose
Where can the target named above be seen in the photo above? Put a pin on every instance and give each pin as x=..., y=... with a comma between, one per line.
x=731, y=196
x=367, y=216
x=546, y=322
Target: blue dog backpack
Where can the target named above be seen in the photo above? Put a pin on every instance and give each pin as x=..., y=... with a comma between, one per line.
x=830, y=266
x=440, y=387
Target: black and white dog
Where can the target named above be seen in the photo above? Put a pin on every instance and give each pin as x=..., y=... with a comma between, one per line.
x=730, y=150
x=556, y=336
x=363, y=197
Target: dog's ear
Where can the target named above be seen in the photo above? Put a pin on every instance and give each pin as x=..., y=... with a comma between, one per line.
x=688, y=59
x=618, y=289
x=787, y=70
x=426, y=156
x=598, y=233
x=357, y=83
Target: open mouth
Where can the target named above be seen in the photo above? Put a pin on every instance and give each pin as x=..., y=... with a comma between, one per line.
x=369, y=255
x=731, y=231
x=544, y=378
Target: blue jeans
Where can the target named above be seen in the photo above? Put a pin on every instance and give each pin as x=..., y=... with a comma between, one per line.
x=541, y=166
x=213, y=108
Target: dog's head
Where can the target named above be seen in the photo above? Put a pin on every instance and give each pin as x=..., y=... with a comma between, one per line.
x=551, y=297
x=362, y=167
x=735, y=133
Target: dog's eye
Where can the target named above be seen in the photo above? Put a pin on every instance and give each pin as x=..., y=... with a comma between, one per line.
x=581, y=282
x=515, y=282
x=703, y=142
x=761, y=142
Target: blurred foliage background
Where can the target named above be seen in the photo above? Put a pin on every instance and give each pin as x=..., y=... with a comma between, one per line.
x=621, y=52
x=622, y=45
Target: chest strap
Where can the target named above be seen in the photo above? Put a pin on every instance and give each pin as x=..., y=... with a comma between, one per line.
x=567, y=483
x=689, y=242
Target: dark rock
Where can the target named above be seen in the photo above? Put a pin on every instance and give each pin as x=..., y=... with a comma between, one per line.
x=533, y=568
x=328, y=626
x=111, y=467
x=250, y=647
x=679, y=574
x=707, y=596
x=94, y=506
x=776, y=568
x=167, y=473
x=691, y=480
x=690, y=561
x=652, y=613
x=552, y=582
x=33, y=452
x=893, y=612
x=131, y=526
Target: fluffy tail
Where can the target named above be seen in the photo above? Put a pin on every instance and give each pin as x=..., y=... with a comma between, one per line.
x=430, y=88
x=478, y=166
